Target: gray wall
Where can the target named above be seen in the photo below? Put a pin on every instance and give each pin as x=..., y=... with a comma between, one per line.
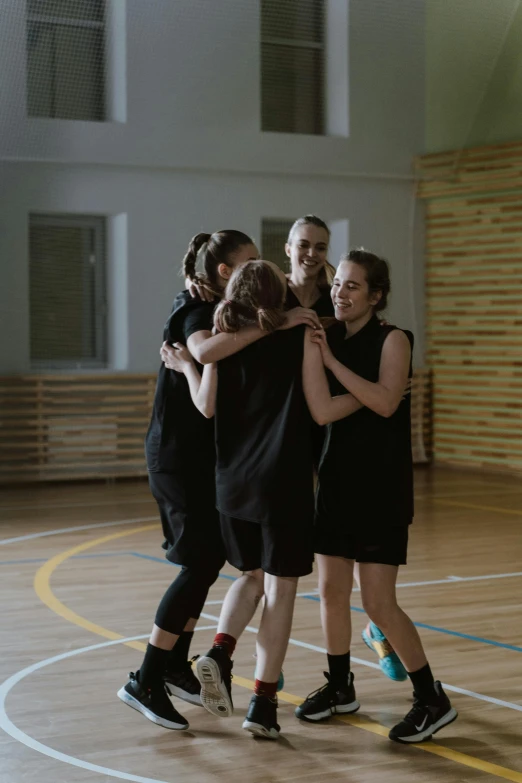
x=473, y=73
x=191, y=157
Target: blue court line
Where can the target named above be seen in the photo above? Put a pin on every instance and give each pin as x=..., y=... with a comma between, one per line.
x=440, y=630
x=358, y=609
x=164, y=561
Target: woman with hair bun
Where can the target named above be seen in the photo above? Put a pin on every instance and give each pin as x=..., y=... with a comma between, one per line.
x=181, y=460
x=264, y=486
x=365, y=495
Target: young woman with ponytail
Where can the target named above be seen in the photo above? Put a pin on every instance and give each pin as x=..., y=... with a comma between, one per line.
x=264, y=484
x=180, y=454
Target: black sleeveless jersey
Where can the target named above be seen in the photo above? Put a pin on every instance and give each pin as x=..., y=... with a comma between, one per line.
x=263, y=437
x=366, y=473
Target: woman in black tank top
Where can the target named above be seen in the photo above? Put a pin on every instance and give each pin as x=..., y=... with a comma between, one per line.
x=180, y=454
x=264, y=486
x=365, y=495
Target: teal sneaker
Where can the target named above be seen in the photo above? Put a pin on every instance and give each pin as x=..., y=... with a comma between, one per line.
x=389, y=661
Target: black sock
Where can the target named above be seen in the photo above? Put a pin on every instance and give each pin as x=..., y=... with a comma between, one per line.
x=153, y=666
x=179, y=654
x=339, y=666
x=424, y=685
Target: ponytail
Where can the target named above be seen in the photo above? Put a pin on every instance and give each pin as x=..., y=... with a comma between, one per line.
x=188, y=268
x=270, y=318
x=208, y=251
x=230, y=316
x=254, y=296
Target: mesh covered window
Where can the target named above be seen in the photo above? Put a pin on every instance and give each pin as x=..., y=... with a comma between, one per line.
x=292, y=66
x=274, y=234
x=65, y=59
x=67, y=291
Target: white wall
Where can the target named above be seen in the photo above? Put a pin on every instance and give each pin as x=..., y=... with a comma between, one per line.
x=191, y=157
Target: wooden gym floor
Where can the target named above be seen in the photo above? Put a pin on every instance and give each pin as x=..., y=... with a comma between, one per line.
x=81, y=573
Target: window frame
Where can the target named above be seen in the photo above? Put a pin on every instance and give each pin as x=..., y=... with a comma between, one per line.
x=96, y=248
x=46, y=20
x=298, y=43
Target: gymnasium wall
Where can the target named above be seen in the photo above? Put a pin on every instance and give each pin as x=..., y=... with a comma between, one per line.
x=474, y=304
x=473, y=73
x=190, y=156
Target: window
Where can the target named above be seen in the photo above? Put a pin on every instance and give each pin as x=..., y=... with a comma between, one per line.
x=67, y=291
x=274, y=234
x=292, y=66
x=65, y=59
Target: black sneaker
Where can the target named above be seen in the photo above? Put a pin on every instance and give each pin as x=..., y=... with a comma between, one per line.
x=154, y=703
x=214, y=671
x=424, y=720
x=261, y=718
x=184, y=684
x=327, y=701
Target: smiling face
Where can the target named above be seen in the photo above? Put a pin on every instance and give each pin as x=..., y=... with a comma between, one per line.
x=351, y=294
x=307, y=250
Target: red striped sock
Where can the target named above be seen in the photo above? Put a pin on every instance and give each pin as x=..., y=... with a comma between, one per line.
x=265, y=689
x=226, y=641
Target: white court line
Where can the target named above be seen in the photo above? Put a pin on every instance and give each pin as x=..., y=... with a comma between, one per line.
x=74, y=529
x=453, y=579
x=448, y=580
x=9, y=727
x=38, y=505
x=482, y=697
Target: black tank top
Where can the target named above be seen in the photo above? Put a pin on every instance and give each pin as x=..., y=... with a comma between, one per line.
x=366, y=473
x=179, y=437
x=263, y=438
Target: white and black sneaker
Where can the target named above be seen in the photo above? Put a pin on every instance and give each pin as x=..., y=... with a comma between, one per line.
x=154, y=703
x=184, y=684
x=329, y=700
x=214, y=671
x=424, y=720
x=261, y=718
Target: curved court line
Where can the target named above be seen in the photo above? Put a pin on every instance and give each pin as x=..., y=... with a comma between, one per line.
x=44, y=592
x=10, y=728
x=75, y=529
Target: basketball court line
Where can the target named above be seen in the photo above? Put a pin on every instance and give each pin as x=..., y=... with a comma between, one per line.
x=458, y=504
x=93, y=526
x=37, y=505
x=312, y=596
x=12, y=730
x=448, y=580
x=44, y=592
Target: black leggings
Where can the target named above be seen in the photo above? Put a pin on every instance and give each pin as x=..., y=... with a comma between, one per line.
x=186, y=596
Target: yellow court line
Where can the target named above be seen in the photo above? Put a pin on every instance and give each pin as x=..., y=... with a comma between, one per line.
x=44, y=592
